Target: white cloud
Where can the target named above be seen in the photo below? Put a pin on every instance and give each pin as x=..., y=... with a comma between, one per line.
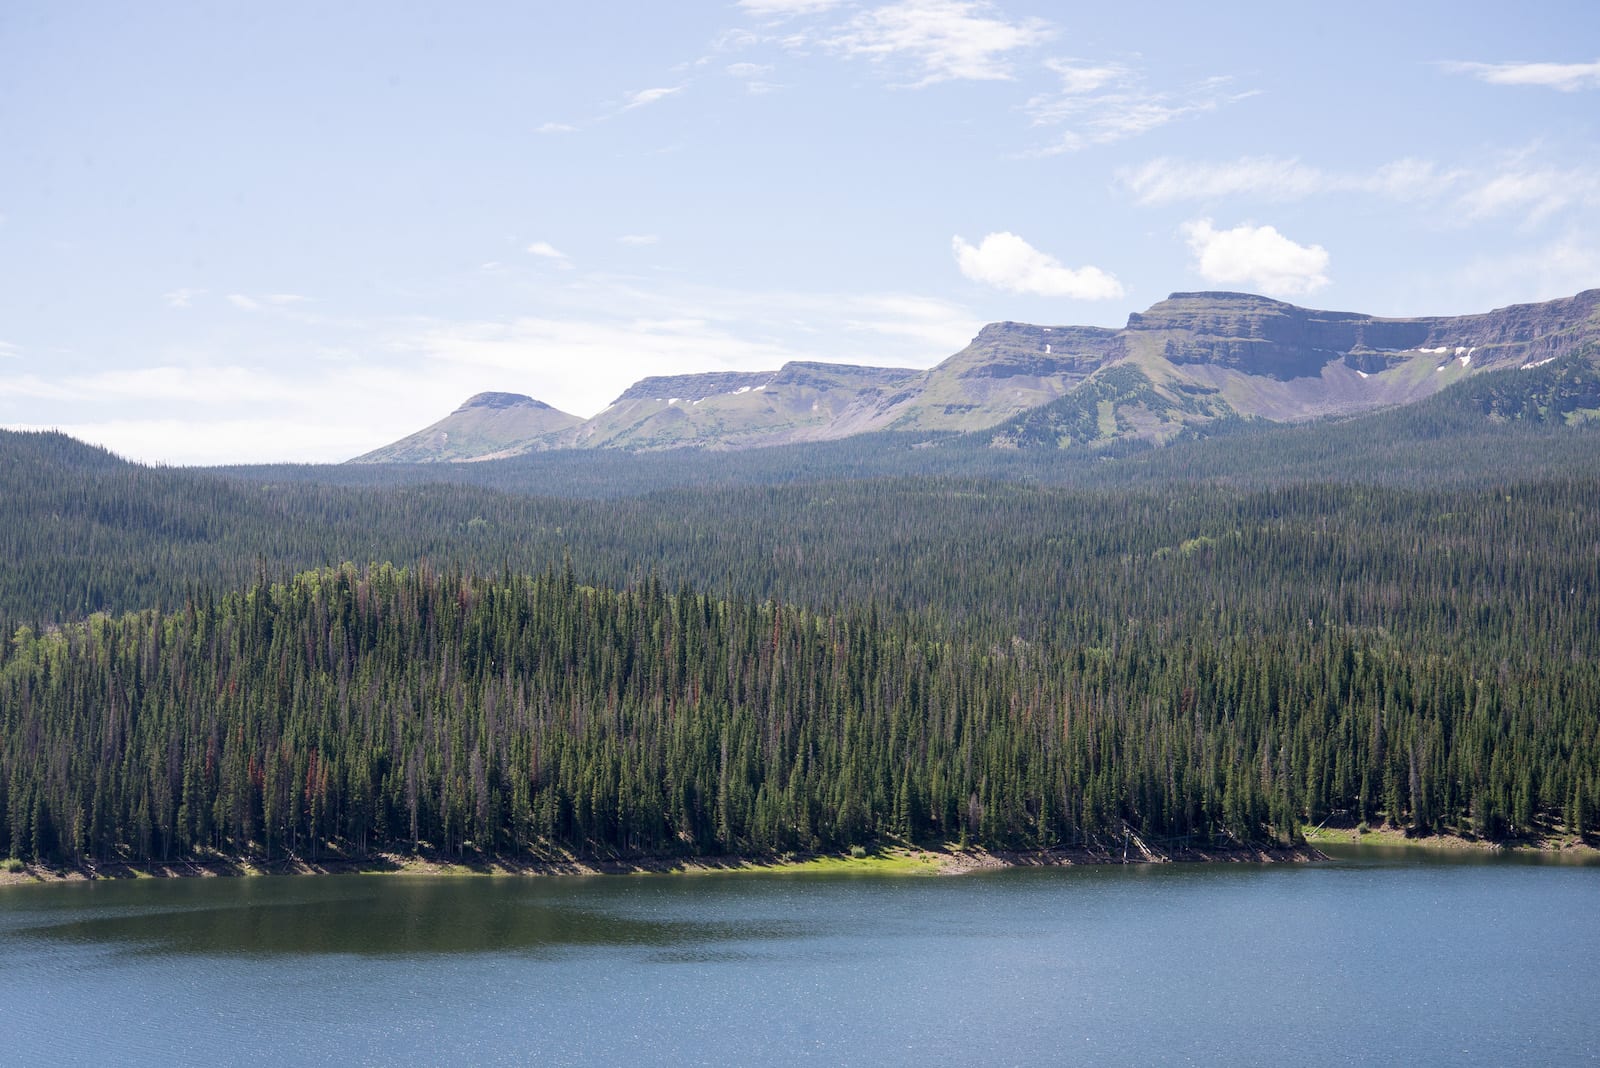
x=182, y=298
x=1167, y=181
x=1565, y=77
x=8, y=351
x=1100, y=104
x=557, y=127
x=546, y=251
x=360, y=383
x=639, y=239
x=943, y=40
x=1536, y=193
x=1568, y=265
x=242, y=301
x=1007, y=262
x=775, y=9
x=649, y=96
x=1258, y=256
x=579, y=362
x=207, y=385
x=195, y=383
x=937, y=326
x=1515, y=186
x=220, y=441
x=32, y=387
x=1086, y=78
x=752, y=75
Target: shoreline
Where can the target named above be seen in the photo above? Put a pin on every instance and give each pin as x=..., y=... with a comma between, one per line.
x=889, y=860
x=1384, y=836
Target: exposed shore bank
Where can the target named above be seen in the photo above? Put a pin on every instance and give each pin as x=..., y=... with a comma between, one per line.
x=896, y=860
x=1551, y=844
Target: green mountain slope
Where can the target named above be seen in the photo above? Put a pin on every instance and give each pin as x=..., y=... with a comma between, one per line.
x=1189, y=361
x=485, y=426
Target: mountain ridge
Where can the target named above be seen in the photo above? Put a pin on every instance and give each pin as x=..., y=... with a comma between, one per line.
x=1184, y=363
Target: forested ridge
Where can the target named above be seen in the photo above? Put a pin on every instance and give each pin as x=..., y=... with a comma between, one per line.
x=386, y=708
x=837, y=661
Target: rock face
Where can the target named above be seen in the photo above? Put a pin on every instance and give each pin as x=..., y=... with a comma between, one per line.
x=487, y=425
x=1189, y=360
x=1259, y=336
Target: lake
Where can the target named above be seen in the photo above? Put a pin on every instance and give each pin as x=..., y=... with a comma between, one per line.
x=1395, y=958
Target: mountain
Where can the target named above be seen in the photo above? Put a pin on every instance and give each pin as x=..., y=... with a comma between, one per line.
x=486, y=426
x=798, y=402
x=1196, y=358
x=1185, y=364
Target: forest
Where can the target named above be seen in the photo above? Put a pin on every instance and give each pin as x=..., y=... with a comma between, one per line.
x=384, y=708
x=235, y=662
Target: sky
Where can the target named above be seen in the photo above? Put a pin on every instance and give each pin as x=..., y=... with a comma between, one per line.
x=297, y=231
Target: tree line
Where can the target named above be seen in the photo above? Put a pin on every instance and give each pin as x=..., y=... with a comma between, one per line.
x=378, y=709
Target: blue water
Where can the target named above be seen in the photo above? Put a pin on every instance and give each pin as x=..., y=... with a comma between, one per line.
x=1365, y=959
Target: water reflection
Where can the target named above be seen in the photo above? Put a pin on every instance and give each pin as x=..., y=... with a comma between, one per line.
x=375, y=916
x=1323, y=964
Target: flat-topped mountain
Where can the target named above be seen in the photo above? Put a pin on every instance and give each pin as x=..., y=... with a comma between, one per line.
x=798, y=402
x=1187, y=361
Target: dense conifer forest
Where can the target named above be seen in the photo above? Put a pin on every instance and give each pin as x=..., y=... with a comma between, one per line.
x=385, y=708
x=1216, y=646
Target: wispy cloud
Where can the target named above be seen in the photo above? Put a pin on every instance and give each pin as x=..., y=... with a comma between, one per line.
x=779, y=9
x=1007, y=262
x=196, y=382
x=593, y=339
x=1564, y=77
x=1535, y=193
x=646, y=97
x=8, y=351
x=315, y=438
x=1168, y=181
x=579, y=363
x=940, y=40
x=1100, y=104
x=753, y=76
x=631, y=101
x=1513, y=186
x=546, y=251
x=182, y=298
x=256, y=302
x=1558, y=268
x=1257, y=256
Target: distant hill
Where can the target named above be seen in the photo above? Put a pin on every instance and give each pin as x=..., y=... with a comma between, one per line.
x=1184, y=365
x=486, y=426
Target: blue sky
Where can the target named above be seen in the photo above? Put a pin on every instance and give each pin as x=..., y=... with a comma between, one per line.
x=293, y=231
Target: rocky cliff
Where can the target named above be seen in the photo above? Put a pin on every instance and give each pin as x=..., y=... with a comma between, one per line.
x=1187, y=361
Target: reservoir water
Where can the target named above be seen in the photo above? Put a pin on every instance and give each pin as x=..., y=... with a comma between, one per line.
x=1371, y=958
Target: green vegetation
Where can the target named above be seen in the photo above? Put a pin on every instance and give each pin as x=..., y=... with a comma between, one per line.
x=1199, y=641
x=386, y=708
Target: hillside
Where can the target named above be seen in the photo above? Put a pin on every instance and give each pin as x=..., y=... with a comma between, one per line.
x=479, y=430
x=1184, y=365
x=759, y=668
